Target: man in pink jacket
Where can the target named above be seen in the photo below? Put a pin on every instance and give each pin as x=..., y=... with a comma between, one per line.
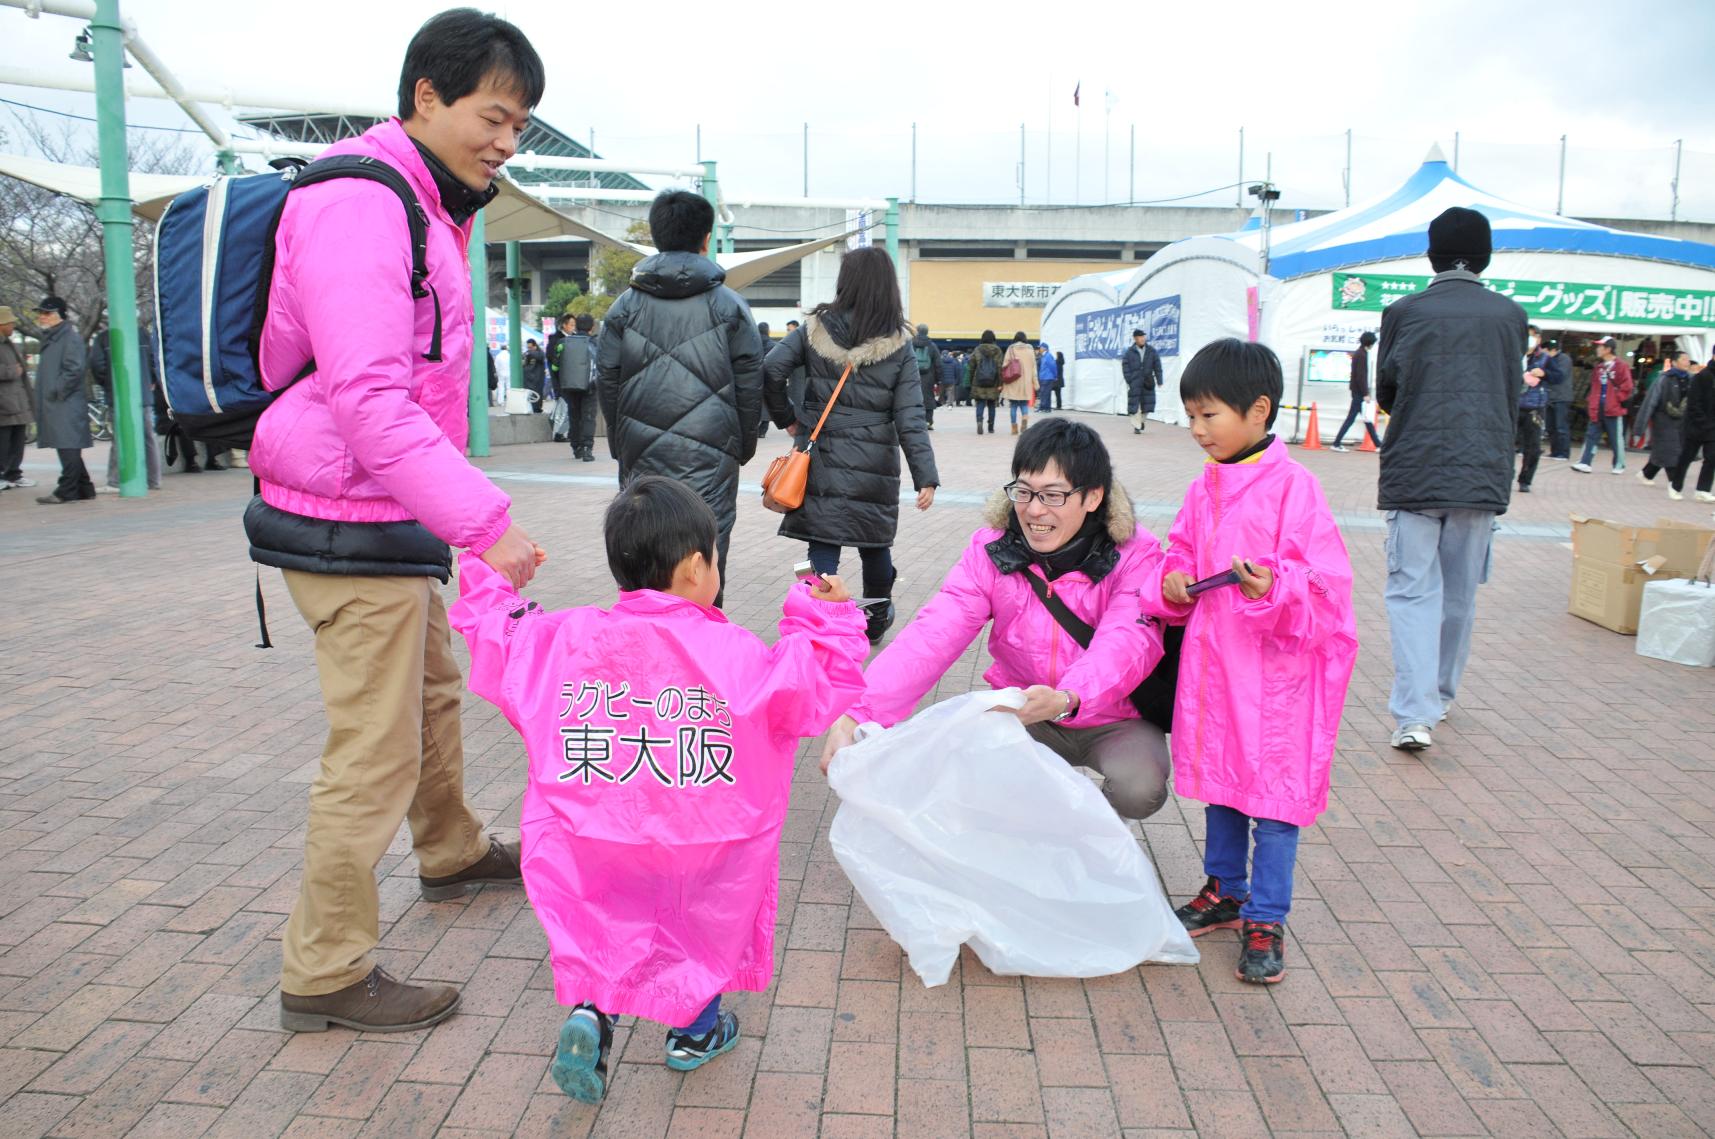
x=364, y=486
x=1064, y=525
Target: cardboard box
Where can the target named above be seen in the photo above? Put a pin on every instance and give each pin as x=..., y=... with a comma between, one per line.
x=1611, y=563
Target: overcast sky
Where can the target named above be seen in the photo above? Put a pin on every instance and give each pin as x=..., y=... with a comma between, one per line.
x=1511, y=78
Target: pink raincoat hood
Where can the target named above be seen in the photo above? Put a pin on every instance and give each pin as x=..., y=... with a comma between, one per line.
x=1027, y=644
x=661, y=741
x=376, y=433
x=1262, y=683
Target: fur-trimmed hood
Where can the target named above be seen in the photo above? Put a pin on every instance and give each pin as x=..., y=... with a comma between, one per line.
x=1122, y=516
x=826, y=334
x=1011, y=553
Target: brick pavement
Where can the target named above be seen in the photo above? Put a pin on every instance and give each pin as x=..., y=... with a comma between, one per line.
x=1513, y=933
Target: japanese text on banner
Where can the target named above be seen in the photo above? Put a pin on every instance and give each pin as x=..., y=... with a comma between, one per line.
x=1549, y=300
x=1105, y=334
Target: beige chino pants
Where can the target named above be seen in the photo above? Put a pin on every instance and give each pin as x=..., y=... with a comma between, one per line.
x=394, y=751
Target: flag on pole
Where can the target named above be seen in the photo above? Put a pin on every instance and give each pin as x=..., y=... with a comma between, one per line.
x=1075, y=91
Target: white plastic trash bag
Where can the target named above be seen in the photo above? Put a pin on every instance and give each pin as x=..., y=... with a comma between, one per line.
x=955, y=826
x=1676, y=622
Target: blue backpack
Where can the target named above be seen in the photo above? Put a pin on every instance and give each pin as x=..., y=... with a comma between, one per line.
x=214, y=262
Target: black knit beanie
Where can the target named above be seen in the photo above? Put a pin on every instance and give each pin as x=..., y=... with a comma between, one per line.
x=1459, y=239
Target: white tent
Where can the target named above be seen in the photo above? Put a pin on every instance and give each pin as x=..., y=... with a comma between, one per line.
x=1327, y=280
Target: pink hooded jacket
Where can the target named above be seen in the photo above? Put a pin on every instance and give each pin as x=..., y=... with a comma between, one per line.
x=376, y=433
x=661, y=742
x=1261, y=683
x=1028, y=645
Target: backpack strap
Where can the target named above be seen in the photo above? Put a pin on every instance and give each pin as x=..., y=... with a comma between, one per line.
x=416, y=218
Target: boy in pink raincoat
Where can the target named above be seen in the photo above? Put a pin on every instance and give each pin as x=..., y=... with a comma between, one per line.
x=1267, y=656
x=661, y=741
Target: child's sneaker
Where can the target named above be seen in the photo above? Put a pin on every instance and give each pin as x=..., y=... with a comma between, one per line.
x=1264, y=959
x=688, y=1053
x=580, y=1064
x=1209, y=910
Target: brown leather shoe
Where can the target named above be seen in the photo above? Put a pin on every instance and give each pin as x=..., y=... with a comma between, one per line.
x=498, y=867
x=377, y=1003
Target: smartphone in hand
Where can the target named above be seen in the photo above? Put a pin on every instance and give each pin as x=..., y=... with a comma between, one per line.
x=1231, y=577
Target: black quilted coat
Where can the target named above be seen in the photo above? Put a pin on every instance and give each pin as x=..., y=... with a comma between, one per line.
x=1448, y=370
x=853, y=494
x=680, y=378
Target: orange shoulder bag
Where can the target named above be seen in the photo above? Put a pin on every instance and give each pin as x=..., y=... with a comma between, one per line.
x=788, y=475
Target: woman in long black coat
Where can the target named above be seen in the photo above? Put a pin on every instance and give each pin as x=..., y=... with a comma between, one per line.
x=852, y=497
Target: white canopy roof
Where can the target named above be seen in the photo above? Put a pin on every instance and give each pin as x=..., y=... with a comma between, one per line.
x=514, y=214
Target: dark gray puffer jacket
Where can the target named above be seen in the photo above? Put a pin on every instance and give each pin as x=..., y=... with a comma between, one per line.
x=680, y=378
x=852, y=498
x=1448, y=369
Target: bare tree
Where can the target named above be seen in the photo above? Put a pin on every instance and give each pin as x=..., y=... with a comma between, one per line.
x=50, y=243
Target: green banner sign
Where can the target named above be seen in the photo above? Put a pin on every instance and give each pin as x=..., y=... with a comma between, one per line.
x=1549, y=300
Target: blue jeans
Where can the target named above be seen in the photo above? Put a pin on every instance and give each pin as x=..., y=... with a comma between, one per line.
x=1559, y=430
x=705, y=1019
x=1351, y=418
x=1226, y=849
x=1017, y=408
x=1435, y=561
x=877, y=561
x=1613, y=426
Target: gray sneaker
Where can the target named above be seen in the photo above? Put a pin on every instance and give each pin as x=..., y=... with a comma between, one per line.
x=1412, y=737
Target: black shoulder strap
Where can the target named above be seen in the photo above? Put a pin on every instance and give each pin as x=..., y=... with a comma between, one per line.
x=416, y=218
x=373, y=169
x=1062, y=613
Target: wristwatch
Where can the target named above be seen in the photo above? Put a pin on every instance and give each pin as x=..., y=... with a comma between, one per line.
x=1071, y=707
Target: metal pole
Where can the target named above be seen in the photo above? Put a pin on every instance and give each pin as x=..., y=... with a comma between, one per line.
x=514, y=320
x=1131, y=186
x=1048, y=191
x=1560, y=197
x=712, y=188
x=1241, y=194
x=478, y=444
x=1021, y=161
x=1348, y=166
x=699, y=142
x=1078, y=158
x=806, y=160
x=1107, y=148
x=892, y=220
x=1455, y=152
x=1678, y=152
x=1267, y=211
x=115, y=214
x=914, y=162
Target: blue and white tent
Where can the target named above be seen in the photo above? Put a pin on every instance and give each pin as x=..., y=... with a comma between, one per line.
x=1326, y=280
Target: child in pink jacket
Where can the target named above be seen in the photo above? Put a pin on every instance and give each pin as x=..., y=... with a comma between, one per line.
x=661, y=741
x=1267, y=656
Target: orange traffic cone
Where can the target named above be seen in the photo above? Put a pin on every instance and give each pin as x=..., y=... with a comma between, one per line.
x=1313, y=432
x=1364, y=443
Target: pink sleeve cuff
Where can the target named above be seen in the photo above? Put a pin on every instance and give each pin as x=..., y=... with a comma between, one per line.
x=487, y=539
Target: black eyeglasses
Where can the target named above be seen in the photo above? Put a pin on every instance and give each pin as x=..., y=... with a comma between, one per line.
x=1023, y=494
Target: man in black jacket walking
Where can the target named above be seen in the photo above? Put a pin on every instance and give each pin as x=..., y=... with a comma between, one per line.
x=1141, y=367
x=679, y=367
x=1360, y=385
x=1448, y=373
